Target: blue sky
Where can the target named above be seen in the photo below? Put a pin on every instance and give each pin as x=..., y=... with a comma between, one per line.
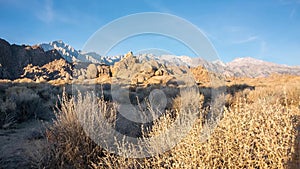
x=267, y=30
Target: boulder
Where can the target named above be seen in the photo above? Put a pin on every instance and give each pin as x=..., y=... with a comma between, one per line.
x=103, y=70
x=91, y=71
x=159, y=79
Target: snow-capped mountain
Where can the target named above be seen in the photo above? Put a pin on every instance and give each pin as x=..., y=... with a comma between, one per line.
x=239, y=67
x=252, y=67
x=167, y=59
x=66, y=51
x=110, y=60
x=217, y=66
x=73, y=55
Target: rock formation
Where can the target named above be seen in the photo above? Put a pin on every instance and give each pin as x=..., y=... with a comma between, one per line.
x=142, y=72
x=14, y=58
x=57, y=69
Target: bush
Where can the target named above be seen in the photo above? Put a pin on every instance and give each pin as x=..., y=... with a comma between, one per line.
x=251, y=134
x=7, y=112
x=69, y=146
x=28, y=103
x=20, y=103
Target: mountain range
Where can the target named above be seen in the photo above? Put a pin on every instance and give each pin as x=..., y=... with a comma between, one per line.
x=15, y=58
x=240, y=67
x=72, y=55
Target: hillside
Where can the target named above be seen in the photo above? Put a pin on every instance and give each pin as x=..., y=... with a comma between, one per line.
x=14, y=58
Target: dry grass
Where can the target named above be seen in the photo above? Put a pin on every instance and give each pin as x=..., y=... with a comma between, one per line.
x=69, y=146
x=259, y=129
x=19, y=103
x=257, y=135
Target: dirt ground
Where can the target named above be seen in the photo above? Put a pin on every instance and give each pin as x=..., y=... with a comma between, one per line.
x=20, y=144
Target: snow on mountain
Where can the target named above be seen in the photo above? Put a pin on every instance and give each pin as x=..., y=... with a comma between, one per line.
x=239, y=67
x=111, y=60
x=73, y=55
x=68, y=52
x=177, y=60
x=252, y=67
x=164, y=59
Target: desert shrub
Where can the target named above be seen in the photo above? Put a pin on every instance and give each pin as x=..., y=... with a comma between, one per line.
x=21, y=103
x=70, y=147
x=7, y=112
x=283, y=94
x=260, y=133
x=27, y=102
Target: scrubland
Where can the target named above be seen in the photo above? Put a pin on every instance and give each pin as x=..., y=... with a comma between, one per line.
x=258, y=127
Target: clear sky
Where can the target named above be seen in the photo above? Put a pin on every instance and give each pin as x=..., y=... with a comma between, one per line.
x=267, y=29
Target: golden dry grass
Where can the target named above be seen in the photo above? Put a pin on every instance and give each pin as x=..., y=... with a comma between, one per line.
x=259, y=129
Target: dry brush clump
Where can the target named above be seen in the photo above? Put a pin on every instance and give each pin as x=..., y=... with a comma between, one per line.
x=69, y=145
x=257, y=135
x=260, y=133
x=19, y=103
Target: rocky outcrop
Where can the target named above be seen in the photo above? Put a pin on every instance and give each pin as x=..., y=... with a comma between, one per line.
x=203, y=77
x=14, y=58
x=84, y=71
x=91, y=71
x=134, y=71
x=127, y=63
x=57, y=69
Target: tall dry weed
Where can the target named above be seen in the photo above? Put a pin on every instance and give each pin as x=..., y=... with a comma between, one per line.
x=259, y=130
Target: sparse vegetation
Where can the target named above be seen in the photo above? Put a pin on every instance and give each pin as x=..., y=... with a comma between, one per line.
x=259, y=129
x=22, y=102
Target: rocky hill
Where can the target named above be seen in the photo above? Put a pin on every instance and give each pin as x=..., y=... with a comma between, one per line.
x=14, y=58
x=23, y=63
x=57, y=69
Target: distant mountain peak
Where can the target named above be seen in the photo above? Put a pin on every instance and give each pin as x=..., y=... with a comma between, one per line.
x=67, y=51
x=242, y=66
x=72, y=55
x=252, y=67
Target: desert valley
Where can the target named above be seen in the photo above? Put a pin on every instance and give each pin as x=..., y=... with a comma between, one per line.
x=245, y=113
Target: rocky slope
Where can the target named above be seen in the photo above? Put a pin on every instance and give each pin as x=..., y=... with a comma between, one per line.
x=27, y=64
x=14, y=58
x=57, y=69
